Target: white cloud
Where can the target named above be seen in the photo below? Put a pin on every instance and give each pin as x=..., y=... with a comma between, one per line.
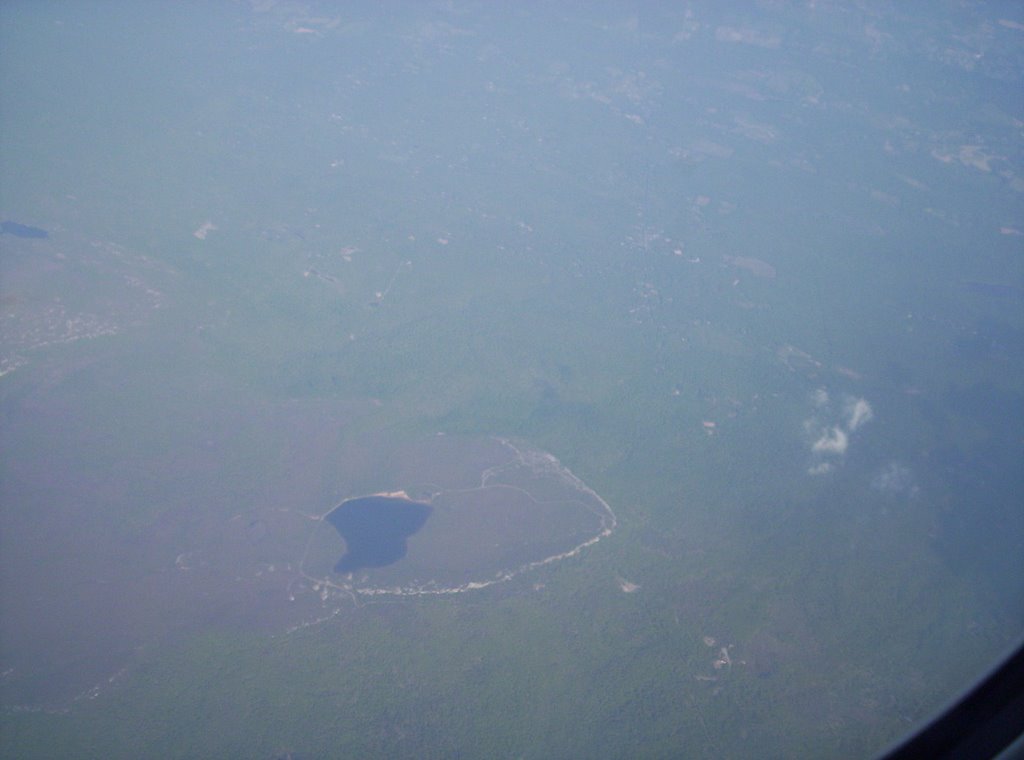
x=830, y=429
x=895, y=478
x=832, y=441
x=858, y=412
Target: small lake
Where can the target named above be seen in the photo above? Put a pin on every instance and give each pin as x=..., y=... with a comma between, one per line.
x=22, y=230
x=375, y=530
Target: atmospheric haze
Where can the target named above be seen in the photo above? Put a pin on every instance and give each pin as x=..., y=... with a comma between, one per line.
x=696, y=331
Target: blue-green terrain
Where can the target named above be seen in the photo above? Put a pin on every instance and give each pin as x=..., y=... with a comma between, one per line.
x=699, y=327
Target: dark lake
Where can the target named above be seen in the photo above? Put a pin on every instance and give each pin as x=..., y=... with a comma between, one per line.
x=22, y=230
x=375, y=529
